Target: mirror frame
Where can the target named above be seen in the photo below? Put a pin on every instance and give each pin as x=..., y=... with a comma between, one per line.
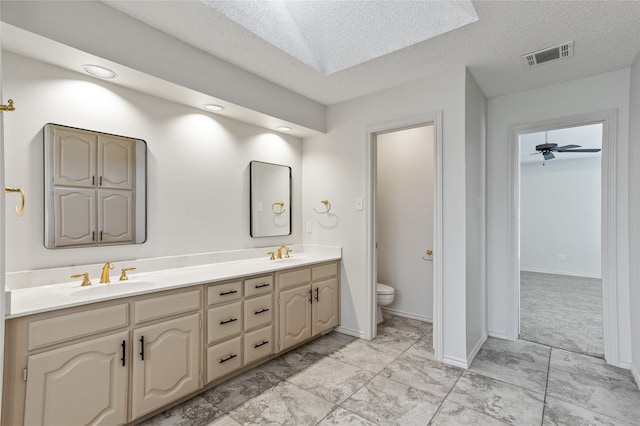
x=252, y=190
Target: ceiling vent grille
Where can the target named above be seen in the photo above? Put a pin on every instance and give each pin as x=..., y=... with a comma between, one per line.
x=555, y=53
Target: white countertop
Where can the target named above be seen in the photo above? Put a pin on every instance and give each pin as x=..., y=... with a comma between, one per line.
x=32, y=300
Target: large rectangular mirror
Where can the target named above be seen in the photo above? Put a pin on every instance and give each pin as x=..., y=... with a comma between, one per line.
x=270, y=199
x=95, y=188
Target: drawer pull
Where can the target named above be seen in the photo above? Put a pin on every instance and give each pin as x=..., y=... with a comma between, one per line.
x=228, y=321
x=261, y=311
x=124, y=346
x=257, y=345
x=228, y=358
x=263, y=285
x=224, y=293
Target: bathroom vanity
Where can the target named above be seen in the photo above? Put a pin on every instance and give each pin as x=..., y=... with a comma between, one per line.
x=131, y=355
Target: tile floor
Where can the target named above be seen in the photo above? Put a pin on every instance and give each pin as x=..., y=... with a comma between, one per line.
x=393, y=380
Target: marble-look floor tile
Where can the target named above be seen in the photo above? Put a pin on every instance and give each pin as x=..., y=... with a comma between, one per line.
x=423, y=347
x=340, y=417
x=560, y=413
x=224, y=421
x=291, y=363
x=579, y=363
x=195, y=412
x=604, y=389
x=374, y=355
x=505, y=402
x=430, y=376
x=520, y=363
x=329, y=343
x=331, y=379
x=284, y=404
x=234, y=392
x=386, y=402
x=406, y=324
x=452, y=414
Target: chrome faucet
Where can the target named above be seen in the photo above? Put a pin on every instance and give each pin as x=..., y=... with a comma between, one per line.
x=287, y=250
x=104, y=278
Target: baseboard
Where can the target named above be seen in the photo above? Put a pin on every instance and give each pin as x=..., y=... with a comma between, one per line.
x=476, y=349
x=636, y=375
x=456, y=362
x=350, y=332
x=422, y=318
x=568, y=274
x=500, y=336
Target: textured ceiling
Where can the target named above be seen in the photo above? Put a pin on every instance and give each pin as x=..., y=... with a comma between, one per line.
x=330, y=36
x=605, y=32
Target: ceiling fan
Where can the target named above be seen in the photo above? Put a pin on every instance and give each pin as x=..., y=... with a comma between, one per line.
x=547, y=149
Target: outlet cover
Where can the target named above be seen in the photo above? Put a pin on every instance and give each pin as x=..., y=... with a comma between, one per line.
x=561, y=257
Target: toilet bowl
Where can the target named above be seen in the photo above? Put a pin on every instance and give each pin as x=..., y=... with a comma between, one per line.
x=384, y=297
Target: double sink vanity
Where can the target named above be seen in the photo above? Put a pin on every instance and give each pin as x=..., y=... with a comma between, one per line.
x=119, y=352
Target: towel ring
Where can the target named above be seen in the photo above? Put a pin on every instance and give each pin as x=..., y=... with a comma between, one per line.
x=19, y=211
x=282, y=209
x=327, y=206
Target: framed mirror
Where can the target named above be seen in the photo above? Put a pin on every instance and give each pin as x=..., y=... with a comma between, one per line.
x=270, y=199
x=95, y=188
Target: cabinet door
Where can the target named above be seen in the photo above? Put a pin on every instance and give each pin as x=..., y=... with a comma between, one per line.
x=116, y=162
x=74, y=157
x=295, y=316
x=166, y=363
x=324, y=310
x=115, y=213
x=80, y=384
x=75, y=214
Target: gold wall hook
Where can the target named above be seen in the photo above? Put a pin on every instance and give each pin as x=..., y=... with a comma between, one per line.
x=282, y=208
x=327, y=206
x=19, y=211
x=10, y=107
x=429, y=253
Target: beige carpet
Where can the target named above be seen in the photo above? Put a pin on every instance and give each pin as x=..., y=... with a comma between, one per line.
x=562, y=311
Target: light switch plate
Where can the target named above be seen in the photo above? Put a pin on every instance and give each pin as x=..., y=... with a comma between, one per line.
x=309, y=227
x=359, y=204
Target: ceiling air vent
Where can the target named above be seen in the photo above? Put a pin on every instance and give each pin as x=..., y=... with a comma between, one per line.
x=548, y=55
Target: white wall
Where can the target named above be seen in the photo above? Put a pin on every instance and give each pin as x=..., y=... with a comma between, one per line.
x=404, y=218
x=198, y=166
x=560, y=214
x=334, y=167
x=475, y=162
x=597, y=93
x=634, y=216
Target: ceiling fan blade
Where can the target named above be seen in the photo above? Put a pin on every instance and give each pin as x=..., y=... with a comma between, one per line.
x=561, y=148
x=548, y=155
x=581, y=150
x=535, y=153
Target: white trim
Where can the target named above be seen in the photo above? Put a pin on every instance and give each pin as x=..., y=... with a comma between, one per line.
x=456, y=362
x=499, y=336
x=636, y=375
x=403, y=314
x=609, y=223
x=568, y=274
x=476, y=349
x=434, y=118
x=350, y=332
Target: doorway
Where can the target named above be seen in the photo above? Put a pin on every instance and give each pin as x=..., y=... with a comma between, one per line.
x=404, y=220
x=560, y=238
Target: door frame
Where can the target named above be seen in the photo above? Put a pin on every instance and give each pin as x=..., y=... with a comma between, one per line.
x=435, y=119
x=608, y=240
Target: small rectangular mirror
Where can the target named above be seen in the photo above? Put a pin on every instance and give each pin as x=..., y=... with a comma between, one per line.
x=95, y=188
x=270, y=199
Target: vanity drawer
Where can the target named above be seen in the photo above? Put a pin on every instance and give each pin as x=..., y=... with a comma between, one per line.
x=256, y=286
x=59, y=329
x=324, y=271
x=258, y=311
x=165, y=306
x=294, y=278
x=224, y=321
x=226, y=292
x=224, y=358
x=258, y=344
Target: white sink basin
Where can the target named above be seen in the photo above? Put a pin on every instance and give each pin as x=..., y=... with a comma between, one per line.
x=113, y=288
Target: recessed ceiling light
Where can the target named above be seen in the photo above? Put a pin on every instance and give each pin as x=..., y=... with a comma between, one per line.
x=213, y=108
x=98, y=71
x=283, y=128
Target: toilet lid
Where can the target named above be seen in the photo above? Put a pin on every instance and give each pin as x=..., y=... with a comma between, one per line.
x=384, y=289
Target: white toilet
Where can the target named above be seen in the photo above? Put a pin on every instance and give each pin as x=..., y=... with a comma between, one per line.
x=384, y=295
